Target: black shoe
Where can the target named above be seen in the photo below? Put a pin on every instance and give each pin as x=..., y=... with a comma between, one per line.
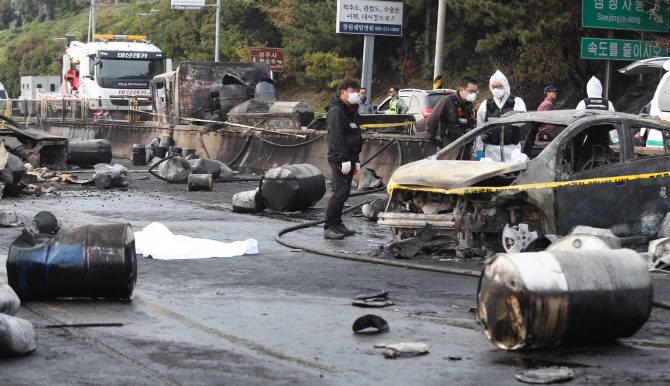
x=332, y=234
x=343, y=230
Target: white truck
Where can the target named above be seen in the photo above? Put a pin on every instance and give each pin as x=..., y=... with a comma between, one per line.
x=108, y=72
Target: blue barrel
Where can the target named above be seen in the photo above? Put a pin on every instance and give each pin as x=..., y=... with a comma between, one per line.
x=94, y=261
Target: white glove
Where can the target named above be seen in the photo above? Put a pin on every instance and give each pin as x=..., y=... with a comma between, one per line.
x=357, y=168
x=346, y=167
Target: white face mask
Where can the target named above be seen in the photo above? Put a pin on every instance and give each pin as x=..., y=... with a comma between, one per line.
x=498, y=93
x=470, y=97
x=354, y=99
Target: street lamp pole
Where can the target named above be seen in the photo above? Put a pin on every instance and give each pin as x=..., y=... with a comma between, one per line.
x=218, y=29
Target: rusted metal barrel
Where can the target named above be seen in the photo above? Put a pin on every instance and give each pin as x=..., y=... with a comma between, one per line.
x=160, y=152
x=200, y=182
x=139, y=155
x=94, y=261
x=266, y=90
x=89, y=152
x=166, y=142
x=543, y=299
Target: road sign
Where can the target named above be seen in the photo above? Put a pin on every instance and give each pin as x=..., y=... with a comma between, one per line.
x=618, y=49
x=623, y=14
x=188, y=5
x=272, y=56
x=369, y=17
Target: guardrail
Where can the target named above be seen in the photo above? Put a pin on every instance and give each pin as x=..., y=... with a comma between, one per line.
x=84, y=109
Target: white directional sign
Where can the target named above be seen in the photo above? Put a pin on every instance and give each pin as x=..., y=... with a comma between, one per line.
x=188, y=5
x=369, y=17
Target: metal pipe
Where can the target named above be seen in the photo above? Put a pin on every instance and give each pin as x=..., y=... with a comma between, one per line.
x=93, y=6
x=368, y=54
x=439, y=44
x=218, y=30
x=608, y=71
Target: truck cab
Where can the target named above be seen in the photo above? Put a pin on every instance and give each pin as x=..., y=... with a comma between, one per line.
x=112, y=70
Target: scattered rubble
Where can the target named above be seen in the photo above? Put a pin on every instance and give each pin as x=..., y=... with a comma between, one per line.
x=376, y=300
x=406, y=350
x=370, y=180
x=374, y=322
x=9, y=219
x=111, y=176
x=545, y=375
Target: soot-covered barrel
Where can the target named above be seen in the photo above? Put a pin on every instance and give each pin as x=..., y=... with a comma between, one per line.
x=292, y=187
x=95, y=261
x=543, y=299
x=89, y=152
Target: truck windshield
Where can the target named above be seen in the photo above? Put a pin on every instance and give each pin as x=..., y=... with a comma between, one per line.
x=139, y=69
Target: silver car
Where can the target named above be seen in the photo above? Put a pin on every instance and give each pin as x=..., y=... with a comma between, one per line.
x=420, y=102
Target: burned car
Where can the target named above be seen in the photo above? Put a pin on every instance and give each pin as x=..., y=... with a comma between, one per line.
x=480, y=220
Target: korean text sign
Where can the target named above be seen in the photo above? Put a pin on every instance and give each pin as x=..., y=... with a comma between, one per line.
x=188, y=5
x=272, y=56
x=623, y=14
x=618, y=49
x=369, y=17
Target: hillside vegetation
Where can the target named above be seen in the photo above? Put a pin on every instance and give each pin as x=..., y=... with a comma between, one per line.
x=535, y=43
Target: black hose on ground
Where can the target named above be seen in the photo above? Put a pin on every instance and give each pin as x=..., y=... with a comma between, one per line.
x=365, y=259
x=246, y=144
x=661, y=304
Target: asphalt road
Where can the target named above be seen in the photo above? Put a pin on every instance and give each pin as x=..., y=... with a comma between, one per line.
x=281, y=316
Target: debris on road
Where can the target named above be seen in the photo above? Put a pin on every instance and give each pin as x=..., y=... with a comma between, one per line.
x=200, y=182
x=546, y=375
x=249, y=201
x=175, y=169
x=370, y=180
x=292, y=187
x=370, y=321
x=111, y=176
x=45, y=223
x=406, y=350
x=156, y=241
x=372, y=209
x=544, y=299
x=93, y=261
x=17, y=336
x=9, y=220
x=205, y=166
x=376, y=300
x=9, y=301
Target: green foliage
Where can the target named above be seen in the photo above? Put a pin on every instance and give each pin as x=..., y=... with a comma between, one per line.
x=29, y=55
x=327, y=68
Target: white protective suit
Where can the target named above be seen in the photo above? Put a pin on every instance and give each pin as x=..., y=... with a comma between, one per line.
x=594, y=89
x=493, y=151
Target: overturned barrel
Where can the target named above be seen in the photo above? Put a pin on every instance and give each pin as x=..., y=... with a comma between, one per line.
x=139, y=155
x=544, y=299
x=292, y=187
x=89, y=152
x=252, y=106
x=232, y=92
x=266, y=90
x=94, y=261
x=166, y=142
x=205, y=166
x=200, y=182
x=305, y=112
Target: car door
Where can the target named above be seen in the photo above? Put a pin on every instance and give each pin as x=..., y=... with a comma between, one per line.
x=589, y=153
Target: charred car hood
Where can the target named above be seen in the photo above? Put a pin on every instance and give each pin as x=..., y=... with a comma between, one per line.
x=450, y=174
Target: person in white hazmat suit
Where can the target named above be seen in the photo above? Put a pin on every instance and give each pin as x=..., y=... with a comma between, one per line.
x=595, y=101
x=502, y=102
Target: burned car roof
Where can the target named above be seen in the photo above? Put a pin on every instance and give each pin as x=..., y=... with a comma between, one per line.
x=562, y=117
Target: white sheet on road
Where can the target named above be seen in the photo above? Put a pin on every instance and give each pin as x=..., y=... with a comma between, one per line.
x=157, y=241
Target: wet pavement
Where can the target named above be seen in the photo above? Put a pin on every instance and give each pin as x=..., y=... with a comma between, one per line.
x=281, y=316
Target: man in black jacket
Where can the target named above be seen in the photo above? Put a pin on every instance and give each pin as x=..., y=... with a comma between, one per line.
x=344, y=145
x=455, y=113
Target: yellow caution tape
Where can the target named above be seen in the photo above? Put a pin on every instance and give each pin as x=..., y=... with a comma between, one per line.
x=480, y=189
x=387, y=124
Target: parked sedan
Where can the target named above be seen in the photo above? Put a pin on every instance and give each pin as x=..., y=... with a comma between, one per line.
x=482, y=222
x=420, y=102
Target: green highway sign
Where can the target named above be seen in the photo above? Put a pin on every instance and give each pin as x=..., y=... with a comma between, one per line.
x=623, y=14
x=618, y=49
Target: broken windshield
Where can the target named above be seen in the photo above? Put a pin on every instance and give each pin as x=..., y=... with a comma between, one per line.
x=129, y=69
